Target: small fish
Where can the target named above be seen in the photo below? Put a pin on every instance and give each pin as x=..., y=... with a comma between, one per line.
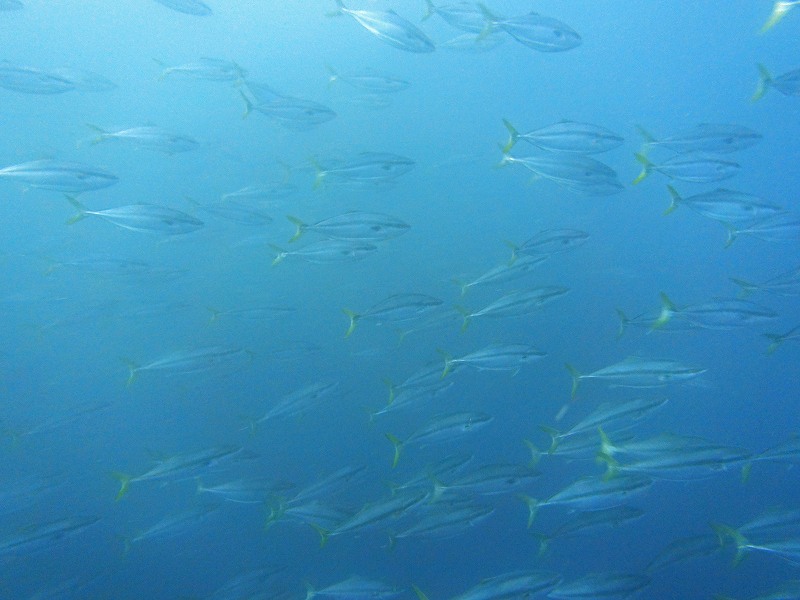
x=294, y=113
x=576, y=172
x=61, y=176
x=710, y=138
x=495, y=357
x=466, y=16
x=719, y=314
x=150, y=137
x=536, y=31
x=470, y=42
x=782, y=229
x=548, y=242
x=776, y=339
x=783, y=284
x=389, y=27
x=195, y=8
x=639, y=372
x=515, y=584
x=355, y=588
x=725, y=206
x=197, y=360
x=43, y=536
x=487, y=480
x=29, y=80
x=787, y=83
x=211, y=69
x=85, y=81
x=369, y=81
x=518, y=267
x=514, y=304
x=566, y=136
x=354, y=226
x=444, y=522
x=145, y=218
x=692, y=167
x=236, y=212
x=327, y=251
x=683, y=549
x=367, y=167
x=600, y=586
x=398, y=308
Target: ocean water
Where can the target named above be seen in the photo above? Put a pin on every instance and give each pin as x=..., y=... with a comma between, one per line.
x=99, y=445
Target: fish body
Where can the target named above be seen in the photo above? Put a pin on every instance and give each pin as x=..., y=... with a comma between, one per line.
x=61, y=176
x=391, y=28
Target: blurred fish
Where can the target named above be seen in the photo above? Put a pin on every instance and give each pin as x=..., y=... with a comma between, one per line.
x=696, y=168
x=779, y=11
x=29, y=80
x=782, y=545
x=776, y=339
x=639, y=372
x=504, y=272
x=397, y=308
x=423, y=383
x=354, y=226
x=169, y=527
x=590, y=521
x=720, y=314
x=43, y=536
x=296, y=403
x=256, y=490
x=548, y=242
x=787, y=83
x=566, y=136
x=591, y=493
x=782, y=229
x=683, y=549
x=389, y=27
x=444, y=521
x=85, y=81
x=150, y=137
x=600, y=586
x=574, y=171
x=211, y=69
x=235, y=211
x=178, y=466
x=246, y=585
x=61, y=176
x=710, y=138
x=327, y=251
x=470, y=42
x=189, y=7
x=367, y=167
x=533, y=30
x=783, y=284
x=725, y=206
x=466, y=16
x=441, y=428
x=197, y=360
x=788, y=590
x=515, y=584
x=486, y=480
x=287, y=111
x=514, y=304
x=145, y=218
x=261, y=193
x=355, y=588
x=255, y=313
x=369, y=81
x=495, y=357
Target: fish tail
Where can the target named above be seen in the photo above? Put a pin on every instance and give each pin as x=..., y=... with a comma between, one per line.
x=764, y=81
x=514, y=252
x=490, y=18
x=646, y=167
x=776, y=340
x=675, y=199
x=647, y=140
x=747, y=468
x=623, y=322
x=533, y=507
x=536, y=454
x=736, y=536
x=668, y=309
x=576, y=378
x=746, y=287
x=280, y=254
x=732, y=233
x=319, y=174
x=420, y=594
x=448, y=363
x=324, y=534
x=554, y=435
x=398, y=445
x=102, y=134
x=133, y=369
x=513, y=136
x=248, y=106
x=81, y=214
x=310, y=591
x=214, y=314
x=124, y=484
x=467, y=318
x=544, y=544
x=430, y=9
x=300, y=227
x=354, y=317
x=391, y=387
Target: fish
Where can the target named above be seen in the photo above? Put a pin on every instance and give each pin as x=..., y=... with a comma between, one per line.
x=30, y=80
x=389, y=27
x=149, y=137
x=169, y=527
x=600, y=585
x=354, y=226
x=441, y=428
x=444, y=522
x=45, y=535
x=369, y=81
x=495, y=357
x=196, y=360
x=548, y=242
x=514, y=304
x=682, y=549
x=295, y=403
x=779, y=10
x=535, y=31
x=327, y=251
x=786, y=283
x=566, y=136
x=470, y=42
x=589, y=521
x=255, y=313
x=787, y=83
x=398, y=308
x=466, y=16
x=235, y=211
x=785, y=545
x=692, y=167
x=486, y=480
x=208, y=68
x=298, y=114
x=367, y=167
x=85, y=81
x=61, y=176
x=144, y=218
x=503, y=272
x=178, y=466
x=709, y=138
x=639, y=372
x=353, y=588
x=783, y=228
x=725, y=206
x=514, y=584
x=719, y=314
x=776, y=339
x=576, y=172
x=195, y=8
x=255, y=490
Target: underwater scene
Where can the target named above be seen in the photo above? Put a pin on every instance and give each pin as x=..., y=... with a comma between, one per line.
x=413, y=299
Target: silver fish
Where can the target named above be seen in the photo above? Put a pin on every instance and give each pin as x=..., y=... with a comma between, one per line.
x=62, y=176
x=390, y=27
x=145, y=218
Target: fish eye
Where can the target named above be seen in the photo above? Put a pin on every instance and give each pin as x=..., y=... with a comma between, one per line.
x=557, y=33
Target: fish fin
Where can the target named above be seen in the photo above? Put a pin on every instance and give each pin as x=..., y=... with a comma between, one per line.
x=301, y=226
x=554, y=434
x=132, y=368
x=668, y=309
x=448, y=362
x=280, y=254
x=646, y=166
x=420, y=594
x=514, y=252
x=675, y=199
x=467, y=317
x=354, y=317
x=248, y=106
x=779, y=11
x=764, y=81
x=732, y=233
x=124, y=484
x=310, y=591
x=576, y=378
x=390, y=385
x=746, y=287
x=513, y=136
x=776, y=340
x=319, y=174
x=214, y=314
x=533, y=507
x=430, y=9
x=323, y=534
x=747, y=468
x=398, y=445
x=536, y=454
x=647, y=138
x=81, y=214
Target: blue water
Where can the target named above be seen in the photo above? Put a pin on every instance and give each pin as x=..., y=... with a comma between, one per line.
x=69, y=331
